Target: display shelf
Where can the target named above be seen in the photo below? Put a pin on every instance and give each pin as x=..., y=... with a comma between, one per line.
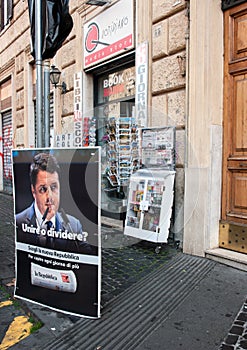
x=122, y=155
x=150, y=205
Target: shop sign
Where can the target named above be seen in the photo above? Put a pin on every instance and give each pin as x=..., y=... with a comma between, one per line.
x=142, y=84
x=64, y=140
x=114, y=85
x=78, y=109
x=109, y=33
x=119, y=84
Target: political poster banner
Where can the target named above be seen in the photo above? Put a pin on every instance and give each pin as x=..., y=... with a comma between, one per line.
x=57, y=218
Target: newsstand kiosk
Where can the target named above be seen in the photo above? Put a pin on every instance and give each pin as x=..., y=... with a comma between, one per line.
x=151, y=190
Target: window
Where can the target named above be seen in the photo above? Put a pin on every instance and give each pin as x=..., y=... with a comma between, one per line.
x=6, y=12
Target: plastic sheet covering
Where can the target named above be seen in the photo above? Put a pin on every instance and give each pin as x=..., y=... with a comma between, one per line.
x=56, y=25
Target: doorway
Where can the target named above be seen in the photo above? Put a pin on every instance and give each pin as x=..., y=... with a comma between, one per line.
x=233, y=227
x=115, y=115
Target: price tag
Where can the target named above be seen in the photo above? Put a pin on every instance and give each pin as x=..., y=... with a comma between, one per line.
x=144, y=205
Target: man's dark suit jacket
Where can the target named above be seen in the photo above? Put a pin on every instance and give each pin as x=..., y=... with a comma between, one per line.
x=28, y=217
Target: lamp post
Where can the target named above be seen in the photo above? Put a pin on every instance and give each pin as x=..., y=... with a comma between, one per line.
x=55, y=77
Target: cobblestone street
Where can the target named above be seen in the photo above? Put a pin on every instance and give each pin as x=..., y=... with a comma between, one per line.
x=126, y=264
x=125, y=260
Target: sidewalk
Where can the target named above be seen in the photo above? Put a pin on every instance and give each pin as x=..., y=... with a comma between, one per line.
x=189, y=303
x=165, y=301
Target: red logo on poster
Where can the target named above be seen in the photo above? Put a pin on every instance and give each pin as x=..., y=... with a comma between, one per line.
x=65, y=278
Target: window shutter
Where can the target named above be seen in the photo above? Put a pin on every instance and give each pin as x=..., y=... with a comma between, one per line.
x=2, y=14
x=6, y=12
x=9, y=10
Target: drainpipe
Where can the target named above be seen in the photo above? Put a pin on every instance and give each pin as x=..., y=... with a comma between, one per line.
x=39, y=75
x=47, y=103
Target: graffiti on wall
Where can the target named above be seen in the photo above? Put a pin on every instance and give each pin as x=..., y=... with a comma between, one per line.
x=6, y=143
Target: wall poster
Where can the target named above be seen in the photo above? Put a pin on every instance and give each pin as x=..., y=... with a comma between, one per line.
x=158, y=147
x=57, y=217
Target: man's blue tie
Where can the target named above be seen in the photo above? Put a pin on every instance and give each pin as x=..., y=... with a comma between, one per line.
x=49, y=225
x=49, y=240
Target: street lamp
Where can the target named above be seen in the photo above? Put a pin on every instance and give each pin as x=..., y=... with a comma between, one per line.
x=55, y=77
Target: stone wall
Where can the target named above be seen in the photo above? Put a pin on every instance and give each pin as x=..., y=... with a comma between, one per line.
x=162, y=23
x=204, y=128
x=169, y=31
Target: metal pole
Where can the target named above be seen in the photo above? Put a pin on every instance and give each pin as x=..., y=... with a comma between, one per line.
x=39, y=75
x=47, y=103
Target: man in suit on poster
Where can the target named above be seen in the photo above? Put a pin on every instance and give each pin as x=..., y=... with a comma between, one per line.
x=42, y=223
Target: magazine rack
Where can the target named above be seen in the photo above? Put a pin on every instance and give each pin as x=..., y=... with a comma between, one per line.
x=150, y=198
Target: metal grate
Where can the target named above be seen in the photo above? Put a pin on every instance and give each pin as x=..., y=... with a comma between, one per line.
x=7, y=134
x=51, y=116
x=233, y=237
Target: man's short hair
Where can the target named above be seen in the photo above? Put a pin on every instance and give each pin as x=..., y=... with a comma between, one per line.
x=43, y=162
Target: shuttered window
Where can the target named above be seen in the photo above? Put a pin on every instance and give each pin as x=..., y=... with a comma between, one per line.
x=6, y=12
x=7, y=135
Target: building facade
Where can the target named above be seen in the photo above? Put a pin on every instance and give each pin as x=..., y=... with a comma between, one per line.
x=164, y=62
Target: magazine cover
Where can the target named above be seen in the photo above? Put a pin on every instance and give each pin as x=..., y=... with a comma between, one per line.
x=57, y=218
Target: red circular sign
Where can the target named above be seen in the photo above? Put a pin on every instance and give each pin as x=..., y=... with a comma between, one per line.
x=92, y=37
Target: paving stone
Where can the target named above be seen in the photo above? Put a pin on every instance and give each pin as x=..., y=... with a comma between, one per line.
x=124, y=262
x=231, y=339
x=226, y=347
x=236, y=330
x=243, y=344
x=242, y=316
x=123, y=266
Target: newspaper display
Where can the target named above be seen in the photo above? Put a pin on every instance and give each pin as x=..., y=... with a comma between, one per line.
x=158, y=147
